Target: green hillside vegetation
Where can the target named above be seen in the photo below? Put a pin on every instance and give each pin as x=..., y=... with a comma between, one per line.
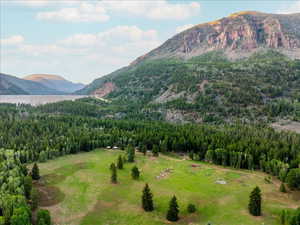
x=260, y=88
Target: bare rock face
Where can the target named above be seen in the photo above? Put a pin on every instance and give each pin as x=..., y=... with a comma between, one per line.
x=239, y=34
x=105, y=89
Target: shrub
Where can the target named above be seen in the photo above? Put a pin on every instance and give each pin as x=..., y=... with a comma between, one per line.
x=191, y=208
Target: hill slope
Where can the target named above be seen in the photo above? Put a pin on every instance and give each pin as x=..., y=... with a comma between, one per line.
x=192, y=76
x=55, y=82
x=10, y=85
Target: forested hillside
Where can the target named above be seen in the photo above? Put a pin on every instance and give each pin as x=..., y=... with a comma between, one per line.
x=211, y=88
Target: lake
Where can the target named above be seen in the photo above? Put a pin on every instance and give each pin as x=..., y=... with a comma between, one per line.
x=37, y=99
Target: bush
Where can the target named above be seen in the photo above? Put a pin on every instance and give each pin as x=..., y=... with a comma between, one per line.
x=135, y=173
x=293, y=179
x=191, y=208
x=43, y=217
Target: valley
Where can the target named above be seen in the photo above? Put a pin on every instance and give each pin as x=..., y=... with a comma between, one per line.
x=90, y=199
x=204, y=129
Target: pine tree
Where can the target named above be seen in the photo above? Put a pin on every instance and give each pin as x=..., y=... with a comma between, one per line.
x=34, y=198
x=27, y=186
x=155, y=151
x=147, y=202
x=172, y=214
x=143, y=149
x=135, y=173
x=35, y=172
x=130, y=154
x=113, y=169
x=120, y=163
x=255, y=202
x=282, y=188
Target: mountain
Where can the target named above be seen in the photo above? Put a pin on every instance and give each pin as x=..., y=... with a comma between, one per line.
x=10, y=85
x=55, y=82
x=238, y=35
x=242, y=67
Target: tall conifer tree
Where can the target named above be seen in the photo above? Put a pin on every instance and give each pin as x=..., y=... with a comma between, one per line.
x=147, y=202
x=255, y=202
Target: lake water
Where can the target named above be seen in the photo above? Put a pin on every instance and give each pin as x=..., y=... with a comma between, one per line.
x=37, y=99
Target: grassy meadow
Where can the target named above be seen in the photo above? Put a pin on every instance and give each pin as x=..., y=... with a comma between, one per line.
x=77, y=190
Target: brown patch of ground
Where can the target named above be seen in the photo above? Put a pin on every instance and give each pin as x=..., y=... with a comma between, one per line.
x=48, y=195
x=189, y=219
x=287, y=126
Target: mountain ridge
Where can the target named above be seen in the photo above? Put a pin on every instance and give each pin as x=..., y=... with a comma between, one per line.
x=56, y=82
x=11, y=85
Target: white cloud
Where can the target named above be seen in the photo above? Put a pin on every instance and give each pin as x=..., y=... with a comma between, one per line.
x=98, y=11
x=165, y=10
x=80, y=40
x=293, y=8
x=183, y=28
x=12, y=40
x=157, y=10
x=85, y=12
x=119, y=35
x=42, y=3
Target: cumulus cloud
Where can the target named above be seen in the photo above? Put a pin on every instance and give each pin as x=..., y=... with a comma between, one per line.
x=85, y=12
x=119, y=35
x=12, y=40
x=157, y=10
x=183, y=28
x=42, y=3
x=99, y=11
x=293, y=8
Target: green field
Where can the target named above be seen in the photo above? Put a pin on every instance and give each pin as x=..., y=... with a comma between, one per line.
x=77, y=190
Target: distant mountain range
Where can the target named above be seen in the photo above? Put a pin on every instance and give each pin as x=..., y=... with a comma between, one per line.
x=36, y=85
x=55, y=82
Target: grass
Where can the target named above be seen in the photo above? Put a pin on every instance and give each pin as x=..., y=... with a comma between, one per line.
x=90, y=199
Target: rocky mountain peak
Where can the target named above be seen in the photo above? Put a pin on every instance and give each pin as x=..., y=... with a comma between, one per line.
x=238, y=35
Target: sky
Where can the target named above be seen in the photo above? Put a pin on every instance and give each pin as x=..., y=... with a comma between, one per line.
x=82, y=40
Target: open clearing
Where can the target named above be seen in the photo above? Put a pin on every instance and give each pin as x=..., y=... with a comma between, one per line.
x=77, y=190
x=287, y=126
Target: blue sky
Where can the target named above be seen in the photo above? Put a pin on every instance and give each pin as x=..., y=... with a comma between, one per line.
x=83, y=40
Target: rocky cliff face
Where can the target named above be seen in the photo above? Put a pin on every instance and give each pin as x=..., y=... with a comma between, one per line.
x=238, y=35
